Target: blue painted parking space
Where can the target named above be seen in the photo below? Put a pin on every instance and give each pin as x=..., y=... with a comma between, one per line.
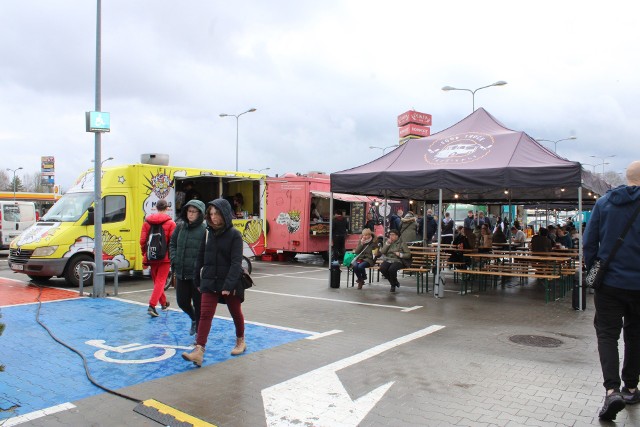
x=122, y=344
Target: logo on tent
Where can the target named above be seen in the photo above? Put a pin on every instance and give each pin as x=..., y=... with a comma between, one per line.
x=460, y=148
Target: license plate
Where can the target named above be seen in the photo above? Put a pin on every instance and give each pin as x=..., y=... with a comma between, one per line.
x=17, y=267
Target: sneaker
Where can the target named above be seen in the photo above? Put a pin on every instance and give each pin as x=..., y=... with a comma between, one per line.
x=166, y=306
x=613, y=404
x=152, y=311
x=629, y=397
x=192, y=331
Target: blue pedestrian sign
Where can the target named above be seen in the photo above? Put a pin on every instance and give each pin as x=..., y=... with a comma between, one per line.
x=98, y=121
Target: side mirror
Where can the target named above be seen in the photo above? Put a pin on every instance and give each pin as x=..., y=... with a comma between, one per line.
x=90, y=218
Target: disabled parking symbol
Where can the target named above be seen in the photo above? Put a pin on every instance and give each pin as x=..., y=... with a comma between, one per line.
x=167, y=352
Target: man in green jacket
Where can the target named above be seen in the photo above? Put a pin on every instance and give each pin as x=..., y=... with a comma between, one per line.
x=396, y=253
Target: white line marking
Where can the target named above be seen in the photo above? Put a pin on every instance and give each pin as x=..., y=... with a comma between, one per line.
x=339, y=300
x=324, y=334
x=318, y=397
x=36, y=414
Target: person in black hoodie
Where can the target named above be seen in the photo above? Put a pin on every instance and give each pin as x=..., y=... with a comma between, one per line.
x=217, y=274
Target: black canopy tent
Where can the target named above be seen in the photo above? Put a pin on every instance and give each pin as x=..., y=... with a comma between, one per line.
x=476, y=160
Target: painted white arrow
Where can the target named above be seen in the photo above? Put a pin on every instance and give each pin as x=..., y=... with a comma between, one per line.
x=318, y=398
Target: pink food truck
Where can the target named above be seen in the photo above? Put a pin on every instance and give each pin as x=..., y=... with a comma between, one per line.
x=292, y=228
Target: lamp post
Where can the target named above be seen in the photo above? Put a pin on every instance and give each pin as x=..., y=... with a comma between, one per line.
x=473, y=92
x=593, y=166
x=14, y=180
x=384, y=149
x=105, y=160
x=603, y=163
x=237, y=116
x=555, y=143
x=259, y=170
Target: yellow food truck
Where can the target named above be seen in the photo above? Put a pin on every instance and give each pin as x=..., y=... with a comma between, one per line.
x=64, y=237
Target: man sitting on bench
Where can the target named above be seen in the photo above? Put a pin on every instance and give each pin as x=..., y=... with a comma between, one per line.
x=397, y=255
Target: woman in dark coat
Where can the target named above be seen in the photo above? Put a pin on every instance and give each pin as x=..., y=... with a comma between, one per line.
x=183, y=250
x=217, y=274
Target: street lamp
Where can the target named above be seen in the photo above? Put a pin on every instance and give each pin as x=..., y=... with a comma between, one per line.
x=473, y=92
x=593, y=166
x=384, y=149
x=102, y=162
x=555, y=143
x=251, y=110
x=14, y=180
x=259, y=170
x=603, y=163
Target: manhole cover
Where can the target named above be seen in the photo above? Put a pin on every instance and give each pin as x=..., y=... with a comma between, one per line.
x=535, y=341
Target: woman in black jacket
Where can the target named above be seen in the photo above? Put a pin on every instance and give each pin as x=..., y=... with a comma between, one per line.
x=218, y=270
x=183, y=250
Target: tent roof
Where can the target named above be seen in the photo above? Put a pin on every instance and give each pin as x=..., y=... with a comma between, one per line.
x=479, y=160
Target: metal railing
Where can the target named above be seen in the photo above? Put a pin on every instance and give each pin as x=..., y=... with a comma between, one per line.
x=104, y=273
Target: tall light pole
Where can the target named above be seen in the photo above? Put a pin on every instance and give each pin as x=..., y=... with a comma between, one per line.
x=603, y=163
x=259, y=170
x=384, y=149
x=593, y=166
x=237, y=116
x=473, y=92
x=105, y=160
x=555, y=143
x=14, y=180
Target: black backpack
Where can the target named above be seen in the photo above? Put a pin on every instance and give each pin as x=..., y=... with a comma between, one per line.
x=156, y=243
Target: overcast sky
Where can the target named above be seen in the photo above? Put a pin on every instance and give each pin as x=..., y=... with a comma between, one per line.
x=328, y=79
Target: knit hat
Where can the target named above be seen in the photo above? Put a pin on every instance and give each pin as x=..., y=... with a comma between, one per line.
x=408, y=215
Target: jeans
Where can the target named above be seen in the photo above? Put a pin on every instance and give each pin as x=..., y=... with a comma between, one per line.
x=616, y=310
x=189, y=297
x=208, y=310
x=360, y=270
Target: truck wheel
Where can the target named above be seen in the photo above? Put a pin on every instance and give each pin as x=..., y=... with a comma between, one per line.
x=74, y=269
x=246, y=263
x=39, y=279
x=325, y=256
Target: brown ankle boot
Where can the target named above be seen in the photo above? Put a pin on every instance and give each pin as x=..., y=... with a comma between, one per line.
x=196, y=356
x=360, y=283
x=240, y=347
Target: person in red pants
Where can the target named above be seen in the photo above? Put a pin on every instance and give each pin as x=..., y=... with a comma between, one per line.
x=217, y=274
x=159, y=268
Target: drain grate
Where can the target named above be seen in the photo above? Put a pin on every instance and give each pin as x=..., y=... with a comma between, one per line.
x=536, y=341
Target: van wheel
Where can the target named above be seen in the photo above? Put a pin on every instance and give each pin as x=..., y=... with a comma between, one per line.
x=39, y=279
x=74, y=269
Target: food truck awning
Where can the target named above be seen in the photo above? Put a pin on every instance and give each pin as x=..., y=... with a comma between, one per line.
x=348, y=197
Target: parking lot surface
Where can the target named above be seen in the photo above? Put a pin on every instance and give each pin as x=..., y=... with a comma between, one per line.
x=317, y=356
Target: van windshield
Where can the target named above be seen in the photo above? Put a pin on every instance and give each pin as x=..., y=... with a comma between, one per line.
x=69, y=208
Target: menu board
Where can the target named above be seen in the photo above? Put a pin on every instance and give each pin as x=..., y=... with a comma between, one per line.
x=358, y=216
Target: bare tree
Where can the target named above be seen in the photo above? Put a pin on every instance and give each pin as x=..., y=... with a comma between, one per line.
x=33, y=182
x=5, y=181
x=613, y=178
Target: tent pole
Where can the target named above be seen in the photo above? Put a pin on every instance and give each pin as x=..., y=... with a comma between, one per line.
x=424, y=223
x=386, y=215
x=330, y=235
x=438, y=279
x=580, y=255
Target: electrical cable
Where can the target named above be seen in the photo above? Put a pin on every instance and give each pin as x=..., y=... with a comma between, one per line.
x=84, y=360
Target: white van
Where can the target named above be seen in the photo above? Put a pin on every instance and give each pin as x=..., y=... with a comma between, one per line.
x=15, y=217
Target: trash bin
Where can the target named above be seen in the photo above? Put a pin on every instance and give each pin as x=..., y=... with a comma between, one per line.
x=335, y=274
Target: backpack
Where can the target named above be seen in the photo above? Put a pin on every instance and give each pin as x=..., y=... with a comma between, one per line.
x=156, y=243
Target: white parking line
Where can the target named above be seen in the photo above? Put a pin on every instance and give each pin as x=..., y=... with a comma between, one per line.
x=403, y=309
x=36, y=414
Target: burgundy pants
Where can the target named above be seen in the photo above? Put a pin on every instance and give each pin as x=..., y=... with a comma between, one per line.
x=159, y=273
x=208, y=310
